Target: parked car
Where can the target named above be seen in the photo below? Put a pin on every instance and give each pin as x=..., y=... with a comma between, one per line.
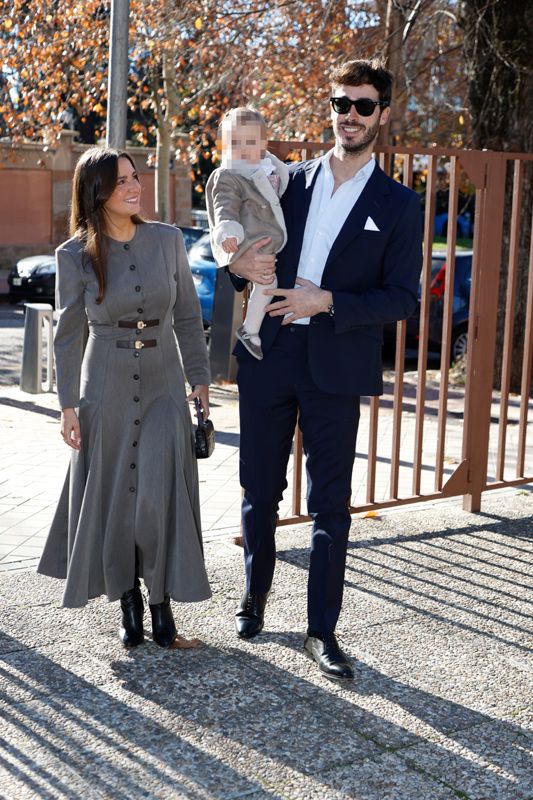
x=33, y=279
x=191, y=235
x=460, y=306
x=204, y=273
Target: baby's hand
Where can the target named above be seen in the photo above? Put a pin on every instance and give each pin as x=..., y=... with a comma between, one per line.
x=230, y=244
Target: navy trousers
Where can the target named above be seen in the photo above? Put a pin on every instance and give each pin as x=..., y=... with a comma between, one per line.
x=272, y=392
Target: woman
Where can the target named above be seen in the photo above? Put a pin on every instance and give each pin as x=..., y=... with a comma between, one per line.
x=130, y=505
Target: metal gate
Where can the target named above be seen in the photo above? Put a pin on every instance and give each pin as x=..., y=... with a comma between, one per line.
x=425, y=440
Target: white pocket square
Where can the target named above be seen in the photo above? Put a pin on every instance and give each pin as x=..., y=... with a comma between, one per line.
x=370, y=225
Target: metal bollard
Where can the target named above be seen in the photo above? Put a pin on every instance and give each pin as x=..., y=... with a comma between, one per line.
x=31, y=376
x=227, y=316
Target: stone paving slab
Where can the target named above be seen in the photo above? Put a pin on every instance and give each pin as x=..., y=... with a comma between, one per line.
x=438, y=708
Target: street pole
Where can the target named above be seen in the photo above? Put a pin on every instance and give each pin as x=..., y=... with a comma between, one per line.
x=117, y=94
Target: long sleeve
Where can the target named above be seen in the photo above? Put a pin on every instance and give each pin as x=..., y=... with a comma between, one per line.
x=72, y=329
x=224, y=203
x=187, y=321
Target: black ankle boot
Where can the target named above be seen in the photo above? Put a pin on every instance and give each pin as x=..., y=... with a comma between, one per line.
x=163, y=625
x=131, y=632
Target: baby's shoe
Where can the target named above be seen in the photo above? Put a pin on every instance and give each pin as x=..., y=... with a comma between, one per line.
x=251, y=341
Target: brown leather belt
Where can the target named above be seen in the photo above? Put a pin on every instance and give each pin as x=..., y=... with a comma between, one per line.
x=140, y=324
x=138, y=345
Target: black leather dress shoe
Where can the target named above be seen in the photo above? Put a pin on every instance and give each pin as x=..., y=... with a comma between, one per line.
x=163, y=625
x=131, y=631
x=330, y=659
x=249, y=619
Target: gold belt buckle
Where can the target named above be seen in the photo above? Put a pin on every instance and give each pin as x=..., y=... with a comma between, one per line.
x=138, y=345
x=141, y=324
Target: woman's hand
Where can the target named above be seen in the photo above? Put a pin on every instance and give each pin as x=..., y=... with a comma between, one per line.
x=202, y=393
x=70, y=428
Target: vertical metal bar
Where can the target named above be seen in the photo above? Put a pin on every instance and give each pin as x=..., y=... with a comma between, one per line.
x=424, y=321
x=384, y=162
x=453, y=203
x=372, y=450
x=482, y=325
x=408, y=170
x=527, y=363
x=297, y=472
x=399, y=366
x=512, y=277
x=117, y=107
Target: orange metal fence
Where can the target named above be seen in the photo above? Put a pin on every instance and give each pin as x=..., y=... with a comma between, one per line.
x=425, y=439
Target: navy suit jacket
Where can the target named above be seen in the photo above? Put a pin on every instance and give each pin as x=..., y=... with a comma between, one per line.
x=373, y=276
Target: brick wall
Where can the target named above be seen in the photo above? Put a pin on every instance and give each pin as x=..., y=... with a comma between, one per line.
x=35, y=189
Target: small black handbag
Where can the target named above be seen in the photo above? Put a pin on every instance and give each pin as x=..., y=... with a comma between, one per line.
x=204, y=435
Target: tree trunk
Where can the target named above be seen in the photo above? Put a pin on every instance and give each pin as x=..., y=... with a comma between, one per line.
x=394, y=58
x=497, y=47
x=162, y=173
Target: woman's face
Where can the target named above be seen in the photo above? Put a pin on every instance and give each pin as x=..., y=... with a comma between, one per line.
x=126, y=198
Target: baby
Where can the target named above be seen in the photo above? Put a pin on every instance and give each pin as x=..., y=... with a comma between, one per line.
x=243, y=206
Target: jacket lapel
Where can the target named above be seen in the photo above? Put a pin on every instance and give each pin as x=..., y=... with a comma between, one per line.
x=266, y=190
x=369, y=204
x=298, y=200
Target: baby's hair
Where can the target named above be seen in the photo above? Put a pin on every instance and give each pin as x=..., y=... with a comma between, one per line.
x=242, y=116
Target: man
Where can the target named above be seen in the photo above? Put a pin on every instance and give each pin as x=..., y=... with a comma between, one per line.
x=351, y=264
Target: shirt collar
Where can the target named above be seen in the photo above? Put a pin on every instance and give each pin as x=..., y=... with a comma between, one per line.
x=361, y=175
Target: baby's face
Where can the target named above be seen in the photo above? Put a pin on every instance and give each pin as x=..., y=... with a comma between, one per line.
x=243, y=143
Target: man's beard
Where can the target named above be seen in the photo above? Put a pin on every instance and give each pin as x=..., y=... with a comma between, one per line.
x=354, y=148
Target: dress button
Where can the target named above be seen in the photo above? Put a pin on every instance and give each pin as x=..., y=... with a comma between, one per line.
x=134, y=444
x=132, y=466
x=136, y=355
x=132, y=488
x=137, y=422
x=140, y=310
x=137, y=288
x=135, y=399
x=132, y=267
x=135, y=377
x=126, y=247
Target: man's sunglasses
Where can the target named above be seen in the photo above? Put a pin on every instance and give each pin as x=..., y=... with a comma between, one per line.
x=364, y=105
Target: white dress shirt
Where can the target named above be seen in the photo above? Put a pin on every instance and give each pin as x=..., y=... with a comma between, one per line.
x=327, y=214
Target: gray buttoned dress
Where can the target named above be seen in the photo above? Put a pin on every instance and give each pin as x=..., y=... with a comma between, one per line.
x=134, y=483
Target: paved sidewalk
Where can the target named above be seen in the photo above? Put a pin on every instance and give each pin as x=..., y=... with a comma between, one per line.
x=436, y=619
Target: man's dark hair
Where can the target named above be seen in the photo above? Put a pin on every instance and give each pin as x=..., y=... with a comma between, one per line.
x=372, y=71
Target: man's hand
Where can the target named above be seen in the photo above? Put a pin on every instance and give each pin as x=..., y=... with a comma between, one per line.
x=305, y=301
x=254, y=266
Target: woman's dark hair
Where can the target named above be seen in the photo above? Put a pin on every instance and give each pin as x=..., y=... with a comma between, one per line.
x=95, y=179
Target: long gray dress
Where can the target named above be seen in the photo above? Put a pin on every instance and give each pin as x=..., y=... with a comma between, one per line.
x=134, y=483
